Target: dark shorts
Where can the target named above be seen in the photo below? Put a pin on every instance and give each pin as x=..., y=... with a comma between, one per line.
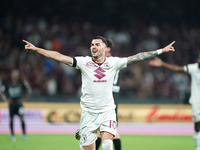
x=115, y=95
x=16, y=109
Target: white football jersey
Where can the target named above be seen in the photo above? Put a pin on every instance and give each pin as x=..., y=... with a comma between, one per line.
x=97, y=82
x=194, y=72
x=116, y=87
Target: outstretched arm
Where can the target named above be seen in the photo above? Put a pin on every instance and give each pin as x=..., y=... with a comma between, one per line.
x=148, y=55
x=157, y=62
x=49, y=54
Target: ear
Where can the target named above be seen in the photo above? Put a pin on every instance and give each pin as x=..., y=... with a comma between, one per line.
x=105, y=49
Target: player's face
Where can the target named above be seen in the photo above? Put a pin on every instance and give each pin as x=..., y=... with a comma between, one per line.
x=97, y=48
x=15, y=75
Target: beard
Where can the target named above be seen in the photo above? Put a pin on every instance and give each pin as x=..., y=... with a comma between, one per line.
x=94, y=57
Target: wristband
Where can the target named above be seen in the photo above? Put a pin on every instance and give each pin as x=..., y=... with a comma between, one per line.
x=159, y=51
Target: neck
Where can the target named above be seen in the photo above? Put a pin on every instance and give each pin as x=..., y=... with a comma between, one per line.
x=14, y=81
x=108, y=54
x=98, y=59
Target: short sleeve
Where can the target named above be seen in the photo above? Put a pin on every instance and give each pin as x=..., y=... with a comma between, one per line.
x=185, y=68
x=121, y=62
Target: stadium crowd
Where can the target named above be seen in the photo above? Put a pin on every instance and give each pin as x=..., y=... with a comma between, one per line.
x=48, y=77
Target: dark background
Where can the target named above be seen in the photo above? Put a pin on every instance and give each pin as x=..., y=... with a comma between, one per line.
x=70, y=26
x=112, y=12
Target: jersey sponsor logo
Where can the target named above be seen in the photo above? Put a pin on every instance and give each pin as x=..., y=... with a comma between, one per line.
x=100, y=81
x=14, y=91
x=90, y=64
x=99, y=74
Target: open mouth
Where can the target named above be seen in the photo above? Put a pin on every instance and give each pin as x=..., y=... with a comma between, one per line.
x=94, y=51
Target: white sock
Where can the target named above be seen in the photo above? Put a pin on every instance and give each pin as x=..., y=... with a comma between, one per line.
x=107, y=145
x=196, y=137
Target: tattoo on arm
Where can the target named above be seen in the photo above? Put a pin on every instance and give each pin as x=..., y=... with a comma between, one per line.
x=141, y=56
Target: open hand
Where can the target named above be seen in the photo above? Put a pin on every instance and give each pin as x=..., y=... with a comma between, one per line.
x=157, y=62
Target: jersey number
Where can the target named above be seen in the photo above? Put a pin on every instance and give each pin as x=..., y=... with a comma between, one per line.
x=112, y=124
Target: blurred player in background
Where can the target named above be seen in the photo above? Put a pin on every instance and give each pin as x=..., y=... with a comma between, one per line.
x=115, y=89
x=15, y=92
x=97, y=103
x=194, y=71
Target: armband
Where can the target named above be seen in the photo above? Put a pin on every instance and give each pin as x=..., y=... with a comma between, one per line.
x=74, y=62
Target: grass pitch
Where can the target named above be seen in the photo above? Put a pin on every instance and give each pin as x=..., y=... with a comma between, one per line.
x=68, y=142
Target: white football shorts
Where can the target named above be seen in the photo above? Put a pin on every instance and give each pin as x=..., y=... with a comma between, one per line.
x=196, y=112
x=91, y=123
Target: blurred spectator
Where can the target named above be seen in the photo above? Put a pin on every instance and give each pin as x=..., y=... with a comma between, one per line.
x=73, y=39
x=51, y=85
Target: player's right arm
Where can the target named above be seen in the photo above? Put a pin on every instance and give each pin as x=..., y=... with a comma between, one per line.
x=49, y=54
x=157, y=62
x=3, y=97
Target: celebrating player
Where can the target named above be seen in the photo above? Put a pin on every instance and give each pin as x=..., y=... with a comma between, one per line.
x=15, y=93
x=194, y=71
x=98, y=71
x=115, y=89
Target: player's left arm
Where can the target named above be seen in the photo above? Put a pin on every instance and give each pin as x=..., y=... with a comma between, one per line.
x=148, y=55
x=28, y=90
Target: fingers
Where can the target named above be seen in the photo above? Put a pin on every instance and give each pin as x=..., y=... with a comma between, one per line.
x=172, y=43
x=28, y=45
x=25, y=41
x=171, y=47
x=156, y=59
x=150, y=62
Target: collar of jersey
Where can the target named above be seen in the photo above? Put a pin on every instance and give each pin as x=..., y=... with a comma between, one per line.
x=99, y=64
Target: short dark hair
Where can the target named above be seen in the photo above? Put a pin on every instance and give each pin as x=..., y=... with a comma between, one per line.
x=110, y=43
x=102, y=38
